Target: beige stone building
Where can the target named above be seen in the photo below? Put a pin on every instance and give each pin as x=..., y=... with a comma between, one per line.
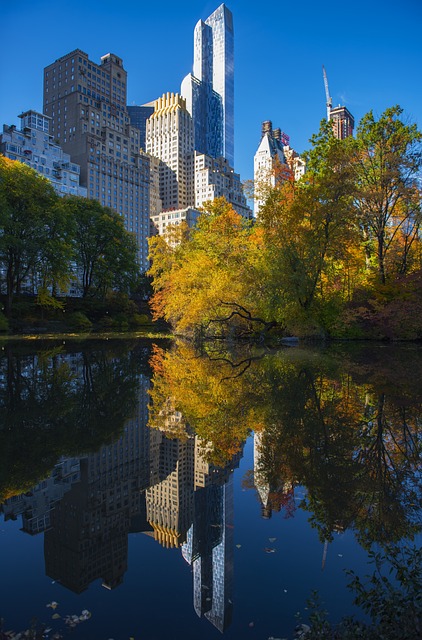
x=86, y=104
x=169, y=137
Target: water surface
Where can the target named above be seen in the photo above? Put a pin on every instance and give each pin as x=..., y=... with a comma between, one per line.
x=167, y=493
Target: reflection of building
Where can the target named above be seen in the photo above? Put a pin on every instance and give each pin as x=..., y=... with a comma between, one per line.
x=190, y=504
x=273, y=495
x=169, y=498
x=90, y=525
x=34, y=146
x=35, y=506
x=210, y=550
x=209, y=91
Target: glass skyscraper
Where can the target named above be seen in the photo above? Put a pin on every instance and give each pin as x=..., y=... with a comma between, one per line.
x=209, y=90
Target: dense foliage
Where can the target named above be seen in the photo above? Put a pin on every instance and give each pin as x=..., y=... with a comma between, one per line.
x=47, y=242
x=337, y=252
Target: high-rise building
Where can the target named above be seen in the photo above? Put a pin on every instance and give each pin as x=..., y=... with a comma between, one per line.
x=169, y=137
x=342, y=121
x=274, y=160
x=34, y=146
x=215, y=178
x=89, y=119
x=209, y=90
x=139, y=115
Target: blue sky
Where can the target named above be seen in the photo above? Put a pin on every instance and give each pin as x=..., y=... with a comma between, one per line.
x=372, y=51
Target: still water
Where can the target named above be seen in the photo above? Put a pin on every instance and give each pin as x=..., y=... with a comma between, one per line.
x=151, y=492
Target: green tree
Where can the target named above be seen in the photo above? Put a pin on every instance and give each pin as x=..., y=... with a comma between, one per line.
x=104, y=252
x=28, y=227
x=387, y=197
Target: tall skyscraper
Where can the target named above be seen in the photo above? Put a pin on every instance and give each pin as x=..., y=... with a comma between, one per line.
x=209, y=90
x=86, y=103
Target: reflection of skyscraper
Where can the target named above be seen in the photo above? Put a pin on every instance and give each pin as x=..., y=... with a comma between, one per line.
x=274, y=493
x=90, y=525
x=213, y=562
x=169, y=498
x=209, y=91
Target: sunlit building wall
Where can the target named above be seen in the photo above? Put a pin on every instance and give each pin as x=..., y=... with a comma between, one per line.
x=34, y=146
x=169, y=137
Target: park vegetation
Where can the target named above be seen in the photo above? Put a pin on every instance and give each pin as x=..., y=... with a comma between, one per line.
x=48, y=244
x=337, y=253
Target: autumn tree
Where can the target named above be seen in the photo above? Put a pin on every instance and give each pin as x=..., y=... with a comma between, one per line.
x=387, y=197
x=207, y=280
x=310, y=230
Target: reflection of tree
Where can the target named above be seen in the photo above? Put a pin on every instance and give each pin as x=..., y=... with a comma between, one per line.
x=221, y=405
x=55, y=403
x=339, y=424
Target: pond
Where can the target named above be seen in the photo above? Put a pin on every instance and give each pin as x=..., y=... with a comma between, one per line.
x=152, y=492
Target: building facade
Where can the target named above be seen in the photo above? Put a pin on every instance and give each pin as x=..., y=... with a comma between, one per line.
x=34, y=146
x=169, y=137
x=215, y=178
x=209, y=90
x=161, y=221
x=139, y=115
x=274, y=161
x=342, y=122
x=89, y=119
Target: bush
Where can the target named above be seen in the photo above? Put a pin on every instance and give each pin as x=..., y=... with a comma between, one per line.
x=139, y=320
x=106, y=323
x=79, y=321
x=4, y=324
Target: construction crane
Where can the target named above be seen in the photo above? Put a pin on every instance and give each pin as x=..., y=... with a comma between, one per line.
x=329, y=102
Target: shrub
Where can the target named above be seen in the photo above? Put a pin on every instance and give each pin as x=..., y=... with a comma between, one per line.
x=79, y=321
x=4, y=324
x=139, y=319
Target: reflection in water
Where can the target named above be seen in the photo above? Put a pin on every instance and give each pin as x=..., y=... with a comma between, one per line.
x=126, y=455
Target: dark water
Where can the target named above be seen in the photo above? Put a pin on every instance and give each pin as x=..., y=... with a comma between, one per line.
x=170, y=494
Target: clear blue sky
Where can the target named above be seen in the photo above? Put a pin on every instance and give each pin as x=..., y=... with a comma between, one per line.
x=371, y=49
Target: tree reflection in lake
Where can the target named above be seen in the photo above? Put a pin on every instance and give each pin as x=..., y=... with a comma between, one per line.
x=344, y=424
x=58, y=400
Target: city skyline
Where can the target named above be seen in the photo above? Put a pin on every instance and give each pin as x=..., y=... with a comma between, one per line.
x=370, y=60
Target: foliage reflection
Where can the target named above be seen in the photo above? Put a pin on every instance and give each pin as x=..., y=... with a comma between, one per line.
x=344, y=423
